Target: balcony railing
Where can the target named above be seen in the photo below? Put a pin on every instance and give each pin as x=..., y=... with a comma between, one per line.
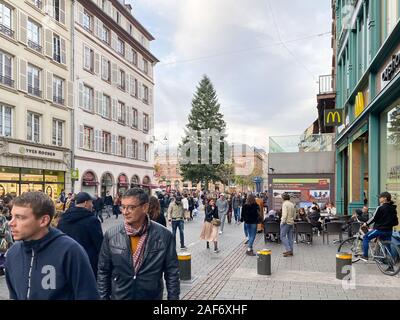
x=34, y=91
x=58, y=100
x=7, y=81
x=6, y=30
x=325, y=84
x=35, y=46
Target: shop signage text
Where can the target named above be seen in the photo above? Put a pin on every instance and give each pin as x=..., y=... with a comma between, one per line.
x=333, y=118
x=28, y=151
x=392, y=69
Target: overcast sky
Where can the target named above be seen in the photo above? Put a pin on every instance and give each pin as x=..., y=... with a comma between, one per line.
x=264, y=88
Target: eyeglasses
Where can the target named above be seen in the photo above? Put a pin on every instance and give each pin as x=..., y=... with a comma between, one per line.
x=130, y=208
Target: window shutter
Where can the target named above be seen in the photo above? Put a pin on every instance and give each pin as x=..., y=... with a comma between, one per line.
x=140, y=121
x=114, y=73
x=96, y=140
x=119, y=80
x=96, y=27
x=62, y=11
x=63, y=51
x=81, y=94
x=81, y=136
x=129, y=148
x=131, y=85
x=101, y=141
x=23, y=21
x=113, y=144
x=140, y=87
x=118, y=147
x=113, y=40
x=22, y=75
x=70, y=95
x=96, y=63
x=96, y=102
x=114, y=109
x=49, y=43
x=79, y=12
x=151, y=96
x=129, y=55
x=49, y=81
x=140, y=151
x=129, y=116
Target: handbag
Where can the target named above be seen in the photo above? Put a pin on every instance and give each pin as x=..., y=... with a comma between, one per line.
x=216, y=222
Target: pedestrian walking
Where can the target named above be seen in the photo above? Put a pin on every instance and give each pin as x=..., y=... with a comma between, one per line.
x=185, y=203
x=155, y=213
x=223, y=208
x=250, y=217
x=83, y=226
x=116, y=206
x=287, y=224
x=44, y=263
x=98, y=206
x=209, y=231
x=137, y=255
x=229, y=214
x=108, y=203
x=176, y=216
x=191, y=206
x=70, y=203
x=236, y=205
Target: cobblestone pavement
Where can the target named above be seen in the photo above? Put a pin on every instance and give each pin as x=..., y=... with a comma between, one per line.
x=231, y=274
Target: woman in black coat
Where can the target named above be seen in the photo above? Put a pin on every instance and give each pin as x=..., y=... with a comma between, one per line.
x=250, y=218
x=155, y=212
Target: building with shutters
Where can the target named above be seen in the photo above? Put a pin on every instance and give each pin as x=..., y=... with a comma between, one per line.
x=36, y=96
x=114, y=111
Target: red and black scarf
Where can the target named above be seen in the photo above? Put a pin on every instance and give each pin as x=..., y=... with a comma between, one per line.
x=138, y=255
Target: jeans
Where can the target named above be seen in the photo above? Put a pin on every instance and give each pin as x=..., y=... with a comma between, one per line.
x=178, y=224
x=384, y=236
x=287, y=236
x=222, y=217
x=246, y=230
x=252, y=231
x=237, y=214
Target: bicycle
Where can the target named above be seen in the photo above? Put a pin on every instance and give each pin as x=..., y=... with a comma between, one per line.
x=385, y=254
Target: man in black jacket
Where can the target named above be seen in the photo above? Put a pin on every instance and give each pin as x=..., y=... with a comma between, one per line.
x=82, y=225
x=135, y=255
x=98, y=206
x=384, y=219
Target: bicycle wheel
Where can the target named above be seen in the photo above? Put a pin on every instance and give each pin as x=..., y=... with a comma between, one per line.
x=387, y=257
x=352, y=245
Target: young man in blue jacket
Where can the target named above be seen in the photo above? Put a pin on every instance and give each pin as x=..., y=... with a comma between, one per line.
x=44, y=263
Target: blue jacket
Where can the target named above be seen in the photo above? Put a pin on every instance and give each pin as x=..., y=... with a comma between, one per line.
x=53, y=268
x=83, y=226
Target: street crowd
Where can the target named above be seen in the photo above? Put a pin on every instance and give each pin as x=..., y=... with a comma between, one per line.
x=58, y=250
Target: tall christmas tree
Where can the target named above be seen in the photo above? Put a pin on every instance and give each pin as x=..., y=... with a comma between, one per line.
x=205, y=133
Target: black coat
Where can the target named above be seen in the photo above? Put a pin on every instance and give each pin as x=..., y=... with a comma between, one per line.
x=385, y=217
x=161, y=219
x=83, y=226
x=117, y=279
x=250, y=213
x=98, y=204
x=108, y=201
x=211, y=213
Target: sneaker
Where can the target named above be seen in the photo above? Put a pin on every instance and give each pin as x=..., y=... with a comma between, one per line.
x=184, y=248
x=220, y=232
x=364, y=258
x=247, y=241
x=288, y=254
x=250, y=253
x=216, y=251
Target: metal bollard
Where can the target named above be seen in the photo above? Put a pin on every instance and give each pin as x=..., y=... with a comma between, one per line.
x=185, y=266
x=343, y=260
x=264, y=262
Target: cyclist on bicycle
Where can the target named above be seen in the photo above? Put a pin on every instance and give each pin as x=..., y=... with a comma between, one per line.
x=384, y=219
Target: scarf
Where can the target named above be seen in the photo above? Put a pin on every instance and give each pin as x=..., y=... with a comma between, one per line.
x=138, y=255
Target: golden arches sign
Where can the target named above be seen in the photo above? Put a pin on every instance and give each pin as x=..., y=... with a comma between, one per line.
x=333, y=117
x=359, y=105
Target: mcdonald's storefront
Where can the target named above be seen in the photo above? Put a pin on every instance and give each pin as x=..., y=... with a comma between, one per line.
x=368, y=143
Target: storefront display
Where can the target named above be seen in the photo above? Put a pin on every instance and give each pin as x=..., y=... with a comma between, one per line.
x=390, y=152
x=15, y=181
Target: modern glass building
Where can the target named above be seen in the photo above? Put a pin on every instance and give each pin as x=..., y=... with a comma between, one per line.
x=368, y=92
